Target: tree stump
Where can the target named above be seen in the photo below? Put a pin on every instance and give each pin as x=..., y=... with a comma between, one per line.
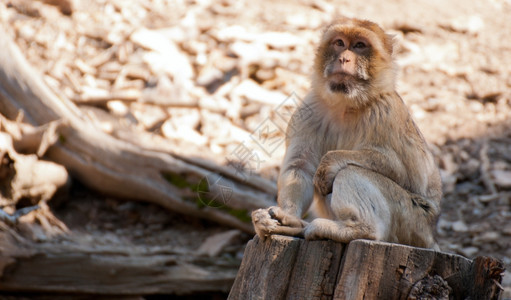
x=291, y=268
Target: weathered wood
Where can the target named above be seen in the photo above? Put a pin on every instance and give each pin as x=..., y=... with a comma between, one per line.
x=315, y=270
x=368, y=270
x=124, y=169
x=267, y=269
x=377, y=270
x=55, y=267
x=485, y=273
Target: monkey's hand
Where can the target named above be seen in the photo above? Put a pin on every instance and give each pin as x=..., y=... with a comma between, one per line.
x=274, y=220
x=264, y=224
x=328, y=168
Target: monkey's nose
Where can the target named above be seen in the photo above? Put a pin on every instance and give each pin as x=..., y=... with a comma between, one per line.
x=344, y=60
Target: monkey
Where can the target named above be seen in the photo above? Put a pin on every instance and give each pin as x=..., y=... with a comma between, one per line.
x=353, y=148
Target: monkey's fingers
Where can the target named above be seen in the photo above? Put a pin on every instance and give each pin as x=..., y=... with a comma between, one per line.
x=263, y=223
x=286, y=219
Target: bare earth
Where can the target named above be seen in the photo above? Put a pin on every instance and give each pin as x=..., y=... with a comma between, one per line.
x=207, y=75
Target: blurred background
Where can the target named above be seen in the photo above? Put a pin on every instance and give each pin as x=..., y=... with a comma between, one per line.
x=210, y=84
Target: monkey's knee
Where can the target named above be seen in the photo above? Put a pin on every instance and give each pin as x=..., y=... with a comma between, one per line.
x=358, y=201
x=352, y=176
x=359, y=187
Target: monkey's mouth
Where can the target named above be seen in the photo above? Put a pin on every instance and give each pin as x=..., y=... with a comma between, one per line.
x=343, y=82
x=339, y=87
x=339, y=82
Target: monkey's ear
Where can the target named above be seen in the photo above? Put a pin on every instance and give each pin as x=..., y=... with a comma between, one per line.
x=391, y=43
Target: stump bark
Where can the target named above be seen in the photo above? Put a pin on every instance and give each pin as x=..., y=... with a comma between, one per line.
x=291, y=268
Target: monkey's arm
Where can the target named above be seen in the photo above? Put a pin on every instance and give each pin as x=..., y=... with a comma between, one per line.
x=384, y=163
x=295, y=196
x=295, y=185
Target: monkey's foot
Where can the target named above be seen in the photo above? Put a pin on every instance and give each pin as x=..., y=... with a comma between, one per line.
x=321, y=229
x=274, y=220
x=341, y=231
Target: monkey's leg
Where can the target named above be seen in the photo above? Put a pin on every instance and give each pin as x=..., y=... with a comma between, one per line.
x=359, y=208
x=335, y=161
x=274, y=220
x=392, y=213
x=367, y=205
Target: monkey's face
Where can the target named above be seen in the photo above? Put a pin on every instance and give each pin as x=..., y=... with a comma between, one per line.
x=346, y=61
x=354, y=59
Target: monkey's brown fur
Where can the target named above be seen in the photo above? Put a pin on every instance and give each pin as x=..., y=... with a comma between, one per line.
x=353, y=147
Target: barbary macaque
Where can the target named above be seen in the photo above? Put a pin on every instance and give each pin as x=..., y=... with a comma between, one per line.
x=353, y=147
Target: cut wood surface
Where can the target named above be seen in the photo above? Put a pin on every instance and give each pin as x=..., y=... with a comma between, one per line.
x=192, y=186
x=291, y=268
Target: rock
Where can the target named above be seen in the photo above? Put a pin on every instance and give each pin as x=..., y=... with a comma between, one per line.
x=469, y=251
x=117, y=108
x=214, y=245
x=506, y=230
x=478, y=228
x=470, y=167
x=279, y=40
x=188, y=117
x=233, y=33
x=487, y=237
x=184, y=133
x=215, y=104
x=307, y=19
x=442, y=225
x=209, y=76
x=447, y=163
x=148, y=115
x=471, y=24
x=502, y=178
x=248, y=52
x=265, y=74
x=65, y=6
x=459, y=226
x=254, y=92
x=165, y=55
x=169, y=93
x=448, y=181
x=273, y=39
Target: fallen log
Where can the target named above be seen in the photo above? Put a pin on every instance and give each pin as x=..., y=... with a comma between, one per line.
x=188, y=185
x=68, y=265
x=291, y=268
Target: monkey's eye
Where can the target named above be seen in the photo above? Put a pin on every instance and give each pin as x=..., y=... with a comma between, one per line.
x=339, y=43
x=360, y=45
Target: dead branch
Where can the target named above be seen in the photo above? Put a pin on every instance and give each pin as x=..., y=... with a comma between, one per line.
x=80, y=268
x=119, y=168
